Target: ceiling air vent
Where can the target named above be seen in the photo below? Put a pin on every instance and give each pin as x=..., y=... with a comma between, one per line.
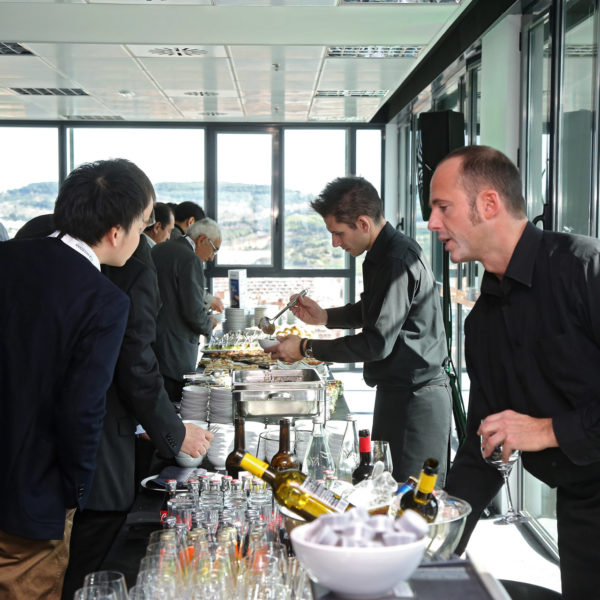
x=580, y=50
x=9, y=48
x=93, y=118
x=49, y=92
x=175, y=51
x=403, y=1
x=201, y=94
x=212, y=113
x=374, y=51
x=351, y=93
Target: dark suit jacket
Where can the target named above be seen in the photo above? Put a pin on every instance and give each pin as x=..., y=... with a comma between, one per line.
x=137, y=394
x=61, y=326
x=184, y=315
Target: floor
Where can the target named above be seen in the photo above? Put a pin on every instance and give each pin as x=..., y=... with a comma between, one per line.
x=501, y=550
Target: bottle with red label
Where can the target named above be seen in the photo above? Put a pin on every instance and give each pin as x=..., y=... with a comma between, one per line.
x=365, y=466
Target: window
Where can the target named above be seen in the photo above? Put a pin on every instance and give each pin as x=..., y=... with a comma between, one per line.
x=244, y=198
x=29, y=174
x=173, y=159
x=577, y=117
x=312, y=158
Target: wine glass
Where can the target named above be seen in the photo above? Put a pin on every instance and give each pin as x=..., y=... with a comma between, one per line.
x=495, y=459
x=381, y=452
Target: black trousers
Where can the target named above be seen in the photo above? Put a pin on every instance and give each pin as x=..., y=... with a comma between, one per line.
x=92, y=536
x=416, y=423
x=578, y=516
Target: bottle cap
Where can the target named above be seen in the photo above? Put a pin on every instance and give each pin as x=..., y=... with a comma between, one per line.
x=318, y=419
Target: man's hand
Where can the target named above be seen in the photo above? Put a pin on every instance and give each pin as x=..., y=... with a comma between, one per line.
x=196, y=440
x=309, y=311
x=515, y=431
x=217, y=305
x=287, y=350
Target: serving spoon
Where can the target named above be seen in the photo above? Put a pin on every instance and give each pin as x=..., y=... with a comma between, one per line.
x=268, y=325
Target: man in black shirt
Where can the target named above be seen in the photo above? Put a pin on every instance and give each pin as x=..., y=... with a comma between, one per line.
x=532, y=348
x=402, y=341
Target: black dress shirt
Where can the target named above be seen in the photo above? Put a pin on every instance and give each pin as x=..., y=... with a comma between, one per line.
x=533, y=345
x=402, y=341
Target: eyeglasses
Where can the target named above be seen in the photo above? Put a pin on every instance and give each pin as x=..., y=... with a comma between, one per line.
x=215, y=249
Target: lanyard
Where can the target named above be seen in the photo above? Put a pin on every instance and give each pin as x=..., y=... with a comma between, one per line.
x=78, y=246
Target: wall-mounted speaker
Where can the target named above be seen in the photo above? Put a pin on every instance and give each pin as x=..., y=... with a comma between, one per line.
x=438, y=134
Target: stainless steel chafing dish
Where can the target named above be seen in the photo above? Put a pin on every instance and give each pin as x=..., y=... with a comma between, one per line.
x=278, y=393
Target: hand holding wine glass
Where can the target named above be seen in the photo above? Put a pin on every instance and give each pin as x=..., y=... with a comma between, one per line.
x=505, y=467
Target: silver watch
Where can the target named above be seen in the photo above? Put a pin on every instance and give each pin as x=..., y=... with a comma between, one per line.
x=308, y=351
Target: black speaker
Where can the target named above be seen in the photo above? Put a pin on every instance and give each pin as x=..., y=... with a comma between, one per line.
x=438, y=134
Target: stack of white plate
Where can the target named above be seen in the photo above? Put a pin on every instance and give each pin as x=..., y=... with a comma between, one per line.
x=259, y=313
x=235, y=319
x=221, y=405
x=194, y=402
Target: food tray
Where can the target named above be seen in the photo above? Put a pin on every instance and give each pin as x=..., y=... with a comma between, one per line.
x=277, y=393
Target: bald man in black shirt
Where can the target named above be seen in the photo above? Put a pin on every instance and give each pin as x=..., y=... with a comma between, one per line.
x=533, y=349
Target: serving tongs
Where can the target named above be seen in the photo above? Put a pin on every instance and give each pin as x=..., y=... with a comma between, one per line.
x=268, y=325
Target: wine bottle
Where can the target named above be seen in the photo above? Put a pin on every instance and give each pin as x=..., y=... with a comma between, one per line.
x=239, y=445
x=349, y=455
x=408, y=486
x=421, y=499
x=295, y=490
x=365, y=466
x=284, y=458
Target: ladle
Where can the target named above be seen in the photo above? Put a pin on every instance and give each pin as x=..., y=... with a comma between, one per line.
x=268, y=325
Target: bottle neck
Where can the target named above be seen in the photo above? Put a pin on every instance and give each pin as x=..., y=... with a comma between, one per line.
x=425, y=485
x=258, y=468
x=284, y=437
x=240, y=436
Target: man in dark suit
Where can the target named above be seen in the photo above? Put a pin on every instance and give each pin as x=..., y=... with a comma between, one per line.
x=184, y=315
x=137, y=395
x=186, y=214
x=62, y=324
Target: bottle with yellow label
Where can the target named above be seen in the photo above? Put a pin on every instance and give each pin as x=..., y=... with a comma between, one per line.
x=421, y=499
x=295, y=490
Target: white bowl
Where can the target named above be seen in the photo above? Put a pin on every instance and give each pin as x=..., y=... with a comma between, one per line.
x=356, y=573
x=186, y=460
x=266, y=343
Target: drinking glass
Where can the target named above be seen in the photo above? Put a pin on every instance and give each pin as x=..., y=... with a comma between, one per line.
x=95, y=592
x=495, y=459
x=112, y=579
x=381, y=452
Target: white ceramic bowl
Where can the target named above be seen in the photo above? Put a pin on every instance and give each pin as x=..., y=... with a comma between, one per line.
x=266, y=343
x=356, y=573
x=186, y=460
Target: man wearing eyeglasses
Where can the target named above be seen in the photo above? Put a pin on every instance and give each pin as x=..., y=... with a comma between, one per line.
x=184, y=314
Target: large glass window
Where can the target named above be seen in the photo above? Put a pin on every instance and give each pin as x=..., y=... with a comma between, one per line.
x=173, y=159
x=537, y=157
x=244, y=198
x=368, y=156
x=274, y=292
x=577, y=117
x=29, y=174
x=312, y=158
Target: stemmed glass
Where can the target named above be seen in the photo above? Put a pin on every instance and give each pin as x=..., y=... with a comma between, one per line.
x=495, y=459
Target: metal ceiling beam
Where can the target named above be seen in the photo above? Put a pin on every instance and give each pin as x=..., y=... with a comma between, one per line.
x=386, y=24
x=475, y=20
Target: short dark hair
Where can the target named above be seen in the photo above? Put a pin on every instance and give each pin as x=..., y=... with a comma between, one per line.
x=347, y=198
x=162, y=214
x=482, y=166
x=100, y=195
x=40, y=226
x=188, y=209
